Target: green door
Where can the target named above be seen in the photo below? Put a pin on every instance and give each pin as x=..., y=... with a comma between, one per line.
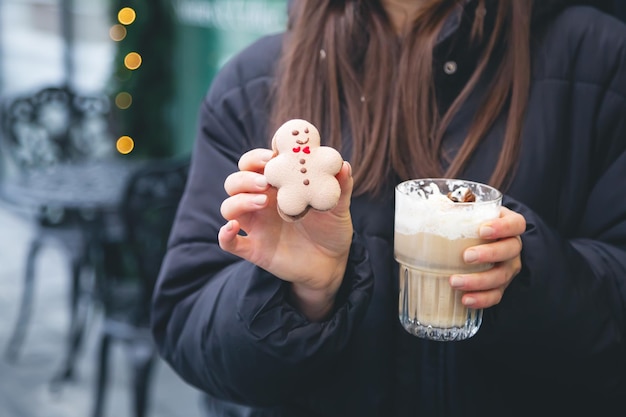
x=208, y=33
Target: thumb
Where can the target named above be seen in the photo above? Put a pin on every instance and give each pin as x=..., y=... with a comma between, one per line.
x=346, y=184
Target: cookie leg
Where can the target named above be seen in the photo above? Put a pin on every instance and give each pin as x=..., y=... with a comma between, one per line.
x=291, y=204
x=325, y=195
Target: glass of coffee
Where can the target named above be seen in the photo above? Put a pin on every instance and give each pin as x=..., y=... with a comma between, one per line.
x=436, y=219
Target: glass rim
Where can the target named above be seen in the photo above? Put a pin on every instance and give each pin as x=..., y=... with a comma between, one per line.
x=497, y=194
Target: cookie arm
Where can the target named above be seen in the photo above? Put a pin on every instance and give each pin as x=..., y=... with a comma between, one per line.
x=329, y=160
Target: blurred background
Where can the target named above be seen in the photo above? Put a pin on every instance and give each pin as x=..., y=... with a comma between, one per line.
x=180, y=45
x=151, y=62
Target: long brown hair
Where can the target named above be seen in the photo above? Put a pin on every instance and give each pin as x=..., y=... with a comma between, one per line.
x=342, y=58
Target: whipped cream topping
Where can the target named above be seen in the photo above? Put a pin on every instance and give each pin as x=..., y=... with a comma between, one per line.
x=429, y=210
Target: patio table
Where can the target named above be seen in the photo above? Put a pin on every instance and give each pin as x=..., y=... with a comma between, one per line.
x=69, y=198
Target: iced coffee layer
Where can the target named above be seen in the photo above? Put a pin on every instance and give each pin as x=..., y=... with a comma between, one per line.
x=435, y=253
x=428, y=299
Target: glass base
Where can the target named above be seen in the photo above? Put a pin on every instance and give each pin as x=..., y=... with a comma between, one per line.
x=444, y=334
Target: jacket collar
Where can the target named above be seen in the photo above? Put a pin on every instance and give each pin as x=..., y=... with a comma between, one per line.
x=451, y=25
x=542, y=11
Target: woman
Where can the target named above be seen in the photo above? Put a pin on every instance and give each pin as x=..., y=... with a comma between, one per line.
x=300, y=319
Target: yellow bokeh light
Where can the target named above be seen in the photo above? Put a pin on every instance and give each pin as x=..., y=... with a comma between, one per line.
x=123, y=100
x=126, y=16
x=125, y=145
x=117, y=32
x=132, y=60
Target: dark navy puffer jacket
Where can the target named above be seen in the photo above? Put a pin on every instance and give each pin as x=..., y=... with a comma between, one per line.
x=554, y=346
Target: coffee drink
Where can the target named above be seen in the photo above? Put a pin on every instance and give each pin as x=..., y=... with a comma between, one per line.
x=433, y=227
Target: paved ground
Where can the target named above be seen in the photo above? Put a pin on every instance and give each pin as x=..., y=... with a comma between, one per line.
x=24, y=386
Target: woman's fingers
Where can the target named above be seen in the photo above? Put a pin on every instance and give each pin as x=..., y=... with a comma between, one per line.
x=509, y=224
x=227, y=235
x=484, y=289
x=494, y=252
x=251, y=207
x=245, y=182
x=249, y=178
x=255, y=160
x=241, y=204
x=248, y=187
x=229, y=239
x=498, y=276
x=346, y=184
x=483, y=299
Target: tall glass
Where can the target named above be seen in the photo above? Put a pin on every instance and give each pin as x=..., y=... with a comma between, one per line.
x=435, y=221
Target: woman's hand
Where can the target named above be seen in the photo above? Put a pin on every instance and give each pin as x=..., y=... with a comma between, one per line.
x=310, y=253
x=485, y=289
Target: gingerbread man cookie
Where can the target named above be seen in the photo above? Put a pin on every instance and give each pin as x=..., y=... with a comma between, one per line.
x=302, y=171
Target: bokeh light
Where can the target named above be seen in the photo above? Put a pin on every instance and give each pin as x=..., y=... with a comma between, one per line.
x=126, y=16
x=125, y=145
x=123, y=100
x=132, y=60
x=117, y=32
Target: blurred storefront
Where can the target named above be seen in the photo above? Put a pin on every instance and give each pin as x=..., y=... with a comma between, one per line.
x=34, y=44
x=183, y=44
x=208, y=33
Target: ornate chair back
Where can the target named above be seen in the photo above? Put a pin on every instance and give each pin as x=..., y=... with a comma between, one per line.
x=56, y=125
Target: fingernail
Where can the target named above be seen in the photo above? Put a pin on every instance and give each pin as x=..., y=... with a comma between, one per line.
x=261, y=181
x=457, y=281
x=259, y=199
x=470, y=256
x=229, y=225
x=469, y=301
x=350, y=167
x=486, y=232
